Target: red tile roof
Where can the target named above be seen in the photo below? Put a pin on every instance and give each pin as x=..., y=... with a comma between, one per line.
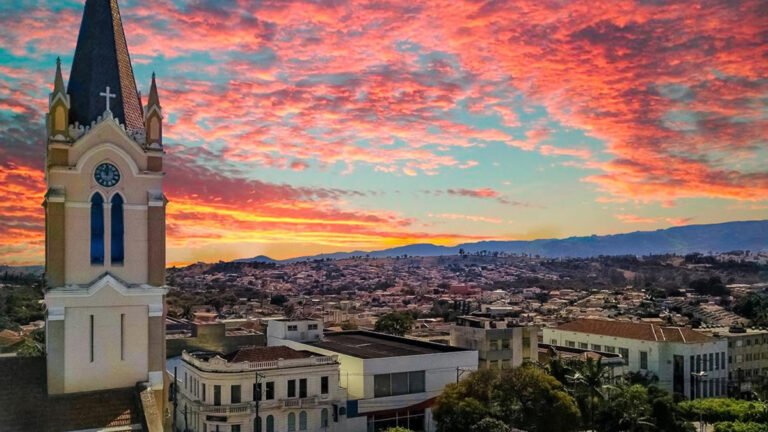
x=632, y=330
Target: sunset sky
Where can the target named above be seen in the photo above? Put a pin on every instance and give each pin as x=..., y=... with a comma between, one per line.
x=294, y=128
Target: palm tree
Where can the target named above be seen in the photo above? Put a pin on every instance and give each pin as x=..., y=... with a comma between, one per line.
x=590, y=379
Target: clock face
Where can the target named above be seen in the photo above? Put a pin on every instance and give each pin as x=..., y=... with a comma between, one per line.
x=106, y=174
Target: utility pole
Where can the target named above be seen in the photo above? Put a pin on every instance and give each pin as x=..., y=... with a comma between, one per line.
x=175, y=399
x=186, y=429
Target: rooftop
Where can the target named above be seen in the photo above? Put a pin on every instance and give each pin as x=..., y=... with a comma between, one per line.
x=639, y=331
x=369, y=345
x=25, y=405
x=259, y=354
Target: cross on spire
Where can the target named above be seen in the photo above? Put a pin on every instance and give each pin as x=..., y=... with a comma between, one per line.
x=107, y=95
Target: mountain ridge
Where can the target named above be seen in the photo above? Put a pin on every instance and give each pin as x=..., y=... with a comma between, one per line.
x=719, y=237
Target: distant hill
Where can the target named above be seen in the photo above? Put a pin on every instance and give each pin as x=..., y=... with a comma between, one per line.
x=722, y=237
x=260, y=258
x=19, y=270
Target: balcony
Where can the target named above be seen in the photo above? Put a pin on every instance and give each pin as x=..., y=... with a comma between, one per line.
x=241, y=408
x=307, y=402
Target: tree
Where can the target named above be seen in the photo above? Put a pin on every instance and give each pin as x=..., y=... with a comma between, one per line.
x=278, y=300
x=33, y=344
x=627, y=409
x=463, y=404
x=589, y=381
x=490, y=424
x=528, y=398
x=394, y=323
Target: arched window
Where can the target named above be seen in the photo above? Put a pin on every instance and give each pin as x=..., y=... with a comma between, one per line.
x=291, y=422
x=270, y=423
x=117, y=250
x=257, y=424
x=97, y=229
x=324, y=418
x=58, y=119
x=303, y=421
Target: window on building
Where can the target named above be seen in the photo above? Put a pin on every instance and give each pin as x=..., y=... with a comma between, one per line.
x=291, y=422
x=698, y=362
x=235, y=394
x=526, y=341
x=704, y=358
x=291, y=388
x=270, y=423
x=643, y=360
x=624, y=353
x=505, y=344
x=217, y=395
x=235, y=428
x=610, y=349
x=303, y=421
x=203, y=399
x=722, y=360
x=717, y=361
x=324, y=417
x=416, y=382
x=92, y=341
x=312, y=326
x=398, y=383
x=97, y=229
x=269, y=394
x=570, y=344
x=293, y=328
x=117, y=252
x=303, y=388
x=382, y=385
x=257, y=424
x=324, y=385
x=596, y=347
x=257, y=391
x=583, y=345
x=553, y=341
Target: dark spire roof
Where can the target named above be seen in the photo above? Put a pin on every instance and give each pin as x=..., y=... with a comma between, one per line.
x=101, y=60
x=154, y=99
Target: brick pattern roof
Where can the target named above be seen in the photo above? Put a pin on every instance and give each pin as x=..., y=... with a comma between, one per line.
x=25, y=405
x=639, y=331
x=101, y=60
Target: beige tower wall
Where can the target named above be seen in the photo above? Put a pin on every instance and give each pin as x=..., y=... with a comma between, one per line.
x=156, y=245
x=134, y=186
x=55, y=241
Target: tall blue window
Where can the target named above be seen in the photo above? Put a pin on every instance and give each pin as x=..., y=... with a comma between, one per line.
x=97, y=229
x=117, y=250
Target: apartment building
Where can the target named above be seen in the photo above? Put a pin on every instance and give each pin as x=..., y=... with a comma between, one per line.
x=685, y=361
x=390, y=380
x=747, y=356
x=258, y=389
x=500, y=343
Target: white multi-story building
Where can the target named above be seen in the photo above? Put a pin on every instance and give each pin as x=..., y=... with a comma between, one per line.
x=684, y=360
x=501, y=343
x=390, y=380
x=258, y=389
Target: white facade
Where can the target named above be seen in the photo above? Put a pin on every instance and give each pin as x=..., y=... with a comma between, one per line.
x=367, y=377
x=218, y=395
x=660, y=357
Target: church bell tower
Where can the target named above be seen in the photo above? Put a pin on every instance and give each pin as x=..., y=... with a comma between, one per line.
x=104, y=218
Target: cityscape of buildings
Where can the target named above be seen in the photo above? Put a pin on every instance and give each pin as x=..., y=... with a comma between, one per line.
x=109, y=339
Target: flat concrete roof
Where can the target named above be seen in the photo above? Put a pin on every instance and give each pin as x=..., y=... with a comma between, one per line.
x=369, y=345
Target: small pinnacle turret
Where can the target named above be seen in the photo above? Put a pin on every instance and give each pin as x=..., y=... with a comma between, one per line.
x=58, y=108
x=153, y=117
